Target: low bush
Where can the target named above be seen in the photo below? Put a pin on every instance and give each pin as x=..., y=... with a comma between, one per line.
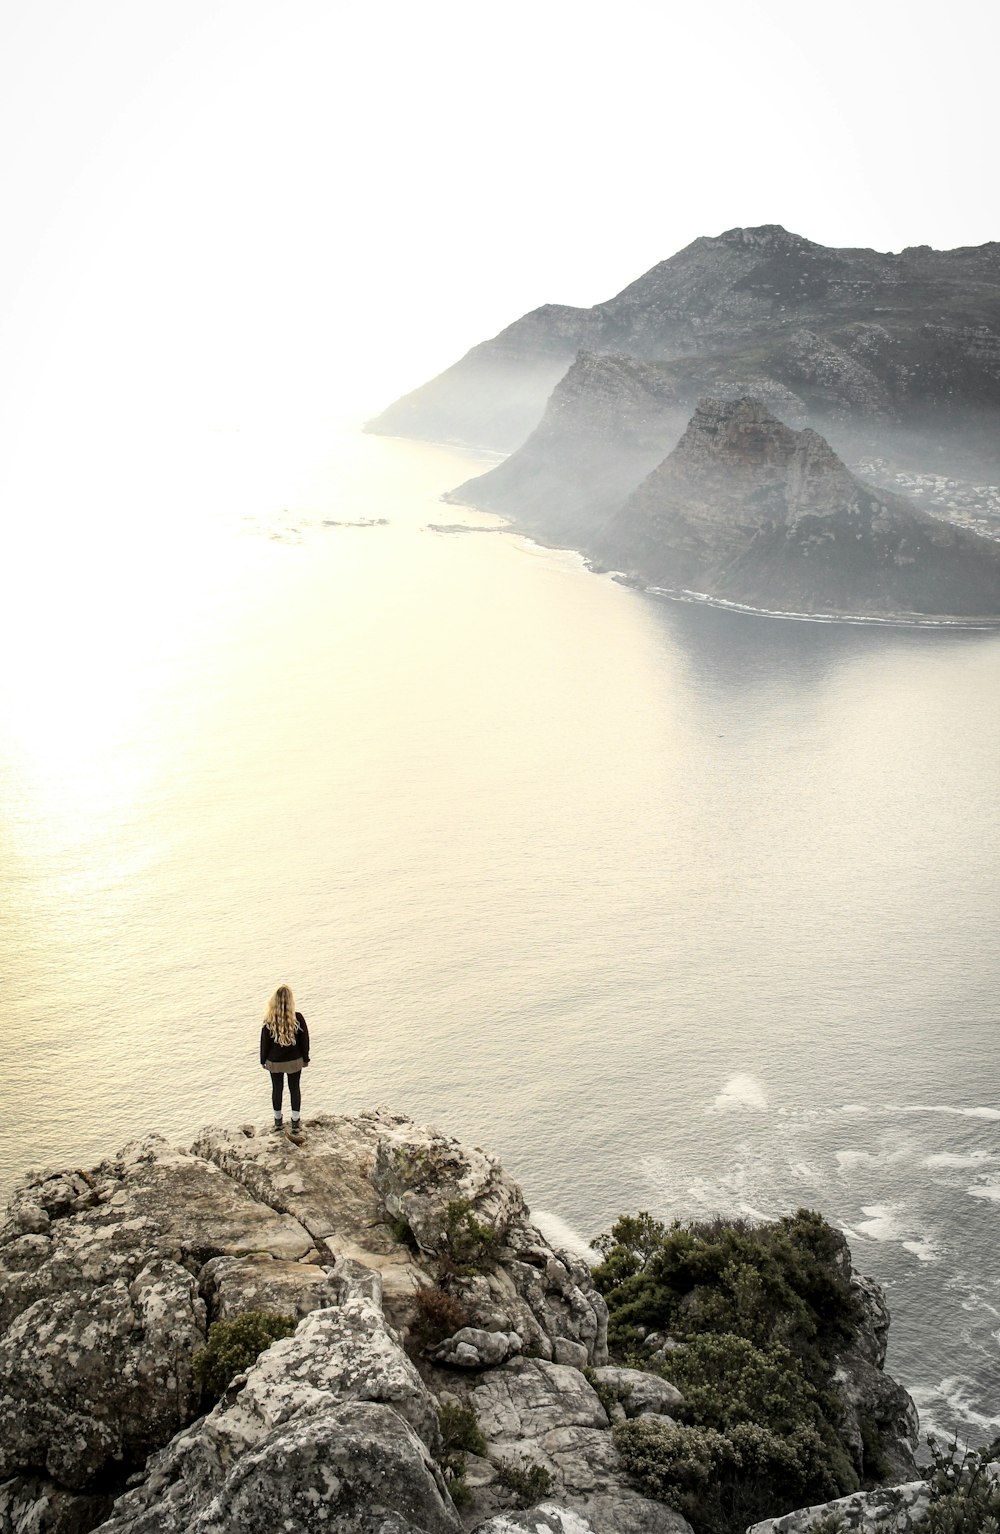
x=777, y=1282
x=469, y=1245
x=439, y=1314
x=762, y=1310
x=460, y=1429
x=723, y=1482
x=528, y=1483
x=964, y=1498
x=453, y=1467
x=234, y=1345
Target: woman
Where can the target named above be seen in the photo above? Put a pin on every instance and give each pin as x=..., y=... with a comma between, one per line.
x=284, y=1050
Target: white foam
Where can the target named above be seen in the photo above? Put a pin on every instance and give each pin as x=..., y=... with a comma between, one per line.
x=849, y=1160
x=561, y=1235
x=988, y=1189
x=741, y=1091
x=881, y=1224
x=963, y=1113
x=923, y=1249
x=946, y=1159
x=854, y=1107
x=954, y=1393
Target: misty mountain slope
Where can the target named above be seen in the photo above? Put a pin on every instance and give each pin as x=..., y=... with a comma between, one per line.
x=745, y=509
x=927, y=397
x=746, y=286
x=609, y=421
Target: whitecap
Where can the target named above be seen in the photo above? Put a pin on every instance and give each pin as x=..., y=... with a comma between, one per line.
x=963, y=1113
x=955, y=1394
x=881, y=1224
x=922, y=1248
x=741, y=1091
x=946, y=1159
x=988, y=1189
x=854, y=1107
x=561, y=1235
x=850, y=1160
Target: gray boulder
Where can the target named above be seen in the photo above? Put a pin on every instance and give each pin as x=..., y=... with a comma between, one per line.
x=94, y=1381
x=338, y=1357
x=546, y=1518
x=325, y=1185
x=640, y=1394
x=353, y=1468
x=536, y=1413
x=547, y=1297
x=873, y=1404
x=419, y=1171
x=471, y=1348
x=34, y=1505
x=864, y=1512
x=232, y=1285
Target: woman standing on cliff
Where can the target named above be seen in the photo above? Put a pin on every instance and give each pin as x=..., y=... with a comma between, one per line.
x=284, y=1050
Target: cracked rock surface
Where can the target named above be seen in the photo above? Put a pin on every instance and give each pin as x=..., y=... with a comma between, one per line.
x=110, y=1278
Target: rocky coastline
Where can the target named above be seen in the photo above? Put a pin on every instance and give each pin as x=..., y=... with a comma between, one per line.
x=421, y=1294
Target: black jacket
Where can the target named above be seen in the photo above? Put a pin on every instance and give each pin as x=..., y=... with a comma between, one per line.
x=270, y=1049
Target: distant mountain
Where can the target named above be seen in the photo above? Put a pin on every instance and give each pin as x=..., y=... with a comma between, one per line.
x=907, y=335
x=746, y=510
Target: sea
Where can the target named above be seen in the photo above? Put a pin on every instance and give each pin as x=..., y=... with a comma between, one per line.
x=672, y=908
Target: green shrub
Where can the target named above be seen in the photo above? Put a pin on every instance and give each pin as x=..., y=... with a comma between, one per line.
x=777, y=1282
x=403, y=1234
x=722, y=1482
x=726, y=1379
x=460, y=1429
x=963, y=1498
x=528, y=1483
x=453, y=1468
x=234, y=1345
x=762, y=1309
x=469, y=1244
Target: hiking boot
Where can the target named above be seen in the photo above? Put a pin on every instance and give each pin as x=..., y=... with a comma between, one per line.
x=295, y=1131
x=277, y=1126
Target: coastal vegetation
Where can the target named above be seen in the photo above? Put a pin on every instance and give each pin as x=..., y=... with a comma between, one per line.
x=748, y=1319
x=234, y=1345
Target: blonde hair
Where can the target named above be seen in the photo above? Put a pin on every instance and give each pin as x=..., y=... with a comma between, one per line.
x=279, y=1019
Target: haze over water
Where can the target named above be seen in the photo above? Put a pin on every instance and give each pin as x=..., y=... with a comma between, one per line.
x=671, y=908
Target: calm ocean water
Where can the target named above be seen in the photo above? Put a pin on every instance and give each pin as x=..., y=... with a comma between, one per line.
x=672, y=908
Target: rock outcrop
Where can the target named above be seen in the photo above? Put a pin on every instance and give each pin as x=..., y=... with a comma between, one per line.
x=420, y=1286
x=748, y=511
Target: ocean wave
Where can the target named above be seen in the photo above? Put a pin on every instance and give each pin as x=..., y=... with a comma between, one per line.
x=952, y=1399
x=964, y=1113
x=948, y=1159
x=989, y=1189
x=740, y=1091
x=561, y=1235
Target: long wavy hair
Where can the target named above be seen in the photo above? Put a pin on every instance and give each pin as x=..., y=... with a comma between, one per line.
x=279, y=1019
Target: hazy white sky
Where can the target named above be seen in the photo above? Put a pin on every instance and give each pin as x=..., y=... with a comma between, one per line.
x=223, y=210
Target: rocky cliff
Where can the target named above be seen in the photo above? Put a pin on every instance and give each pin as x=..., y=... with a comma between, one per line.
x=913, y=337
x=421, y=1287
x=747, y=510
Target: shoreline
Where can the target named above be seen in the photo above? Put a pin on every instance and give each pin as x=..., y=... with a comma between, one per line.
x=681, y=594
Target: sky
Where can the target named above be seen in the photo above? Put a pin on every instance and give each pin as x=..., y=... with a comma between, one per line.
x=232, y=211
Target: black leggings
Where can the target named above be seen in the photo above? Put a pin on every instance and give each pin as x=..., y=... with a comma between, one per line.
x=277, y=1080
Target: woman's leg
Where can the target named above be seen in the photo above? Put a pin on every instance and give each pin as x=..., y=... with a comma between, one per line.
x=277, y=1082
x=295, y=1092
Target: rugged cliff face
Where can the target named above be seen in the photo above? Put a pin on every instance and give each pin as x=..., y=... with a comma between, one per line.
x=746, y=510
x=370, y=1232
x=751, y=310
